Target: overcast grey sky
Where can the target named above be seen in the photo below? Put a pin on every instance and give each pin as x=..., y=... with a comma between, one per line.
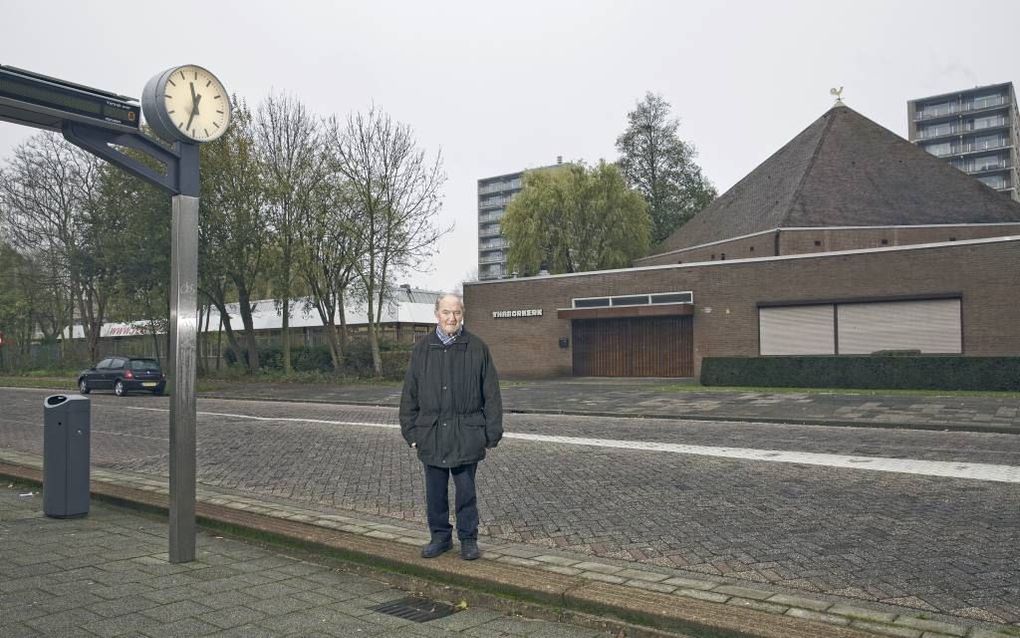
x=499, y=87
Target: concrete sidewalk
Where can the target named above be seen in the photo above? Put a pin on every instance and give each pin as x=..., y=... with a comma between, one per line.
x=107, y=575
x=556, y=584
x=660, y=398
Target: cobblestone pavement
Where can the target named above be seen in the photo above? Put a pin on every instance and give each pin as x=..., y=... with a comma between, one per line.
x=108, y=575
x=659, y=397
x=934, y=544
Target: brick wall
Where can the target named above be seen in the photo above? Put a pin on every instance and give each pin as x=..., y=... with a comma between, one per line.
x=761, y=245
x=797, y=241
x=726, y=295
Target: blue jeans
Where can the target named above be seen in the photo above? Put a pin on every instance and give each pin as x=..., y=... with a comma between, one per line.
x=438, y=504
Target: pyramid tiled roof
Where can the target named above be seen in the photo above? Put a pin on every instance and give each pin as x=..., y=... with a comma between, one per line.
x=845, y=170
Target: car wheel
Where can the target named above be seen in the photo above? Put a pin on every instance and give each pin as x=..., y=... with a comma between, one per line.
x=118, y=388
x=83, y=386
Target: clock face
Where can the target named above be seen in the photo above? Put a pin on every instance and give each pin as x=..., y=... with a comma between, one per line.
x=195, y=103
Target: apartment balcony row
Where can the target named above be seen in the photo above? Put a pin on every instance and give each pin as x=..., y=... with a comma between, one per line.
x=998, y=182
x=490, y=218
x=499, y=187
x=967, y=127
x=495, y=258
x=986, y=167
x=489, y=231
x=489, y=204
x=947, y=149
x=959, y=108
x=492, y=244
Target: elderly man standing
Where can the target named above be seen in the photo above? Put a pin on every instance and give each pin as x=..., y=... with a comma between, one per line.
x=451, y=411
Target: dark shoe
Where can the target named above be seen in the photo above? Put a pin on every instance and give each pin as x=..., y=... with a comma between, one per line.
x=435, y=548
x=469, y=550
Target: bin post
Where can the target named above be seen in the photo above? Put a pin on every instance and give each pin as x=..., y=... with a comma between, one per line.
x=67, y=430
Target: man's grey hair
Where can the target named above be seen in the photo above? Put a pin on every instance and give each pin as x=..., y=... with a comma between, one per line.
x=459, y=298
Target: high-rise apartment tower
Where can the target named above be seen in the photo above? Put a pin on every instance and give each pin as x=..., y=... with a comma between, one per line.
x=494, y=194
x=976, y=130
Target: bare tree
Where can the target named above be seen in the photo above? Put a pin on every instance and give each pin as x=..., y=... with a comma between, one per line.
x=51, y=200
x=289, y=147
x=395, y=190
x=331, y=254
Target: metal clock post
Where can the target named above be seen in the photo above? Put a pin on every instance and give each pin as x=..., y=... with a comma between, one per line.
x=185, y=105
x=183, y=348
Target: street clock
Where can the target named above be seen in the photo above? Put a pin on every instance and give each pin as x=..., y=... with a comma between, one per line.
x=186, y=104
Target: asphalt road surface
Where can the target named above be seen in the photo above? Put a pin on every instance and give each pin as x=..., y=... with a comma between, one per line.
x=797, y=506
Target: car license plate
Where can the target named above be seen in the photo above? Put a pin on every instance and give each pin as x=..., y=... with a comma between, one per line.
x=149, y=384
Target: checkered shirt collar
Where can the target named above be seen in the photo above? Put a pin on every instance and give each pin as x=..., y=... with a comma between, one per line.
x=448, y=339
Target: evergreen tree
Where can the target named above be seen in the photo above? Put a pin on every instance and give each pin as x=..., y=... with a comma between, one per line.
x=661, y=167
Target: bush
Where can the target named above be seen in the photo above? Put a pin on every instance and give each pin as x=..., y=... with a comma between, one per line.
x=230, y=358
x=357, y=361
x=394, y=363
x=394, y=354
x=271, y=357
x=899, y=371
x=311, y=359
x=358, y=358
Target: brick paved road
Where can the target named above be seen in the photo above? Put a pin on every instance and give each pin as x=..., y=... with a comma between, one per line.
x=658, y=397
x=938, y=544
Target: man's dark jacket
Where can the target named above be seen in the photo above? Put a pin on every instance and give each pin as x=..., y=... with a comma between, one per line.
x=450, y=406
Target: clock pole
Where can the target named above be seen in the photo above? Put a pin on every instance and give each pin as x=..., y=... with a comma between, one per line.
x=183, y=349
x=187, y=105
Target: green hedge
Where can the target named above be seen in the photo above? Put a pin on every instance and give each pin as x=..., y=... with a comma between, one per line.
x=357, y=359
x=872, y=372
x=302, y=359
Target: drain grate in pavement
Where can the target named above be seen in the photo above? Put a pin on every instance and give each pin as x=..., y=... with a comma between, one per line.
x=416, y=609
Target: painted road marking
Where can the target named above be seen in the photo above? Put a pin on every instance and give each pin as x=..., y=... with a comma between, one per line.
x=950, y=469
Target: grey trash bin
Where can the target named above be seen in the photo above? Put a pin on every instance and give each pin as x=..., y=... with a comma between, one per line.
x=66, y=433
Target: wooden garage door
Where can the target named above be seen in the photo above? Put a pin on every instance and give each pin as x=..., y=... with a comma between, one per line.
x=633, y=347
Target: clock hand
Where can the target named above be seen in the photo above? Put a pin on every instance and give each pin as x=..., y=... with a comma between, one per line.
x=195, y=99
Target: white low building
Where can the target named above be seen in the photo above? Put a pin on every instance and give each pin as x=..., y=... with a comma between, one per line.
x=407, y=308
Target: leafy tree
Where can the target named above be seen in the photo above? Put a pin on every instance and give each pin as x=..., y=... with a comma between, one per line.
x=575, y=219
x=661, y=166
x=15, y=305
x=142, y=250
x=234, y=226
x=28, y=300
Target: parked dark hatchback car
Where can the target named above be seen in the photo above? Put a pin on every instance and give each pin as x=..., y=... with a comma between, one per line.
x=123, y=375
